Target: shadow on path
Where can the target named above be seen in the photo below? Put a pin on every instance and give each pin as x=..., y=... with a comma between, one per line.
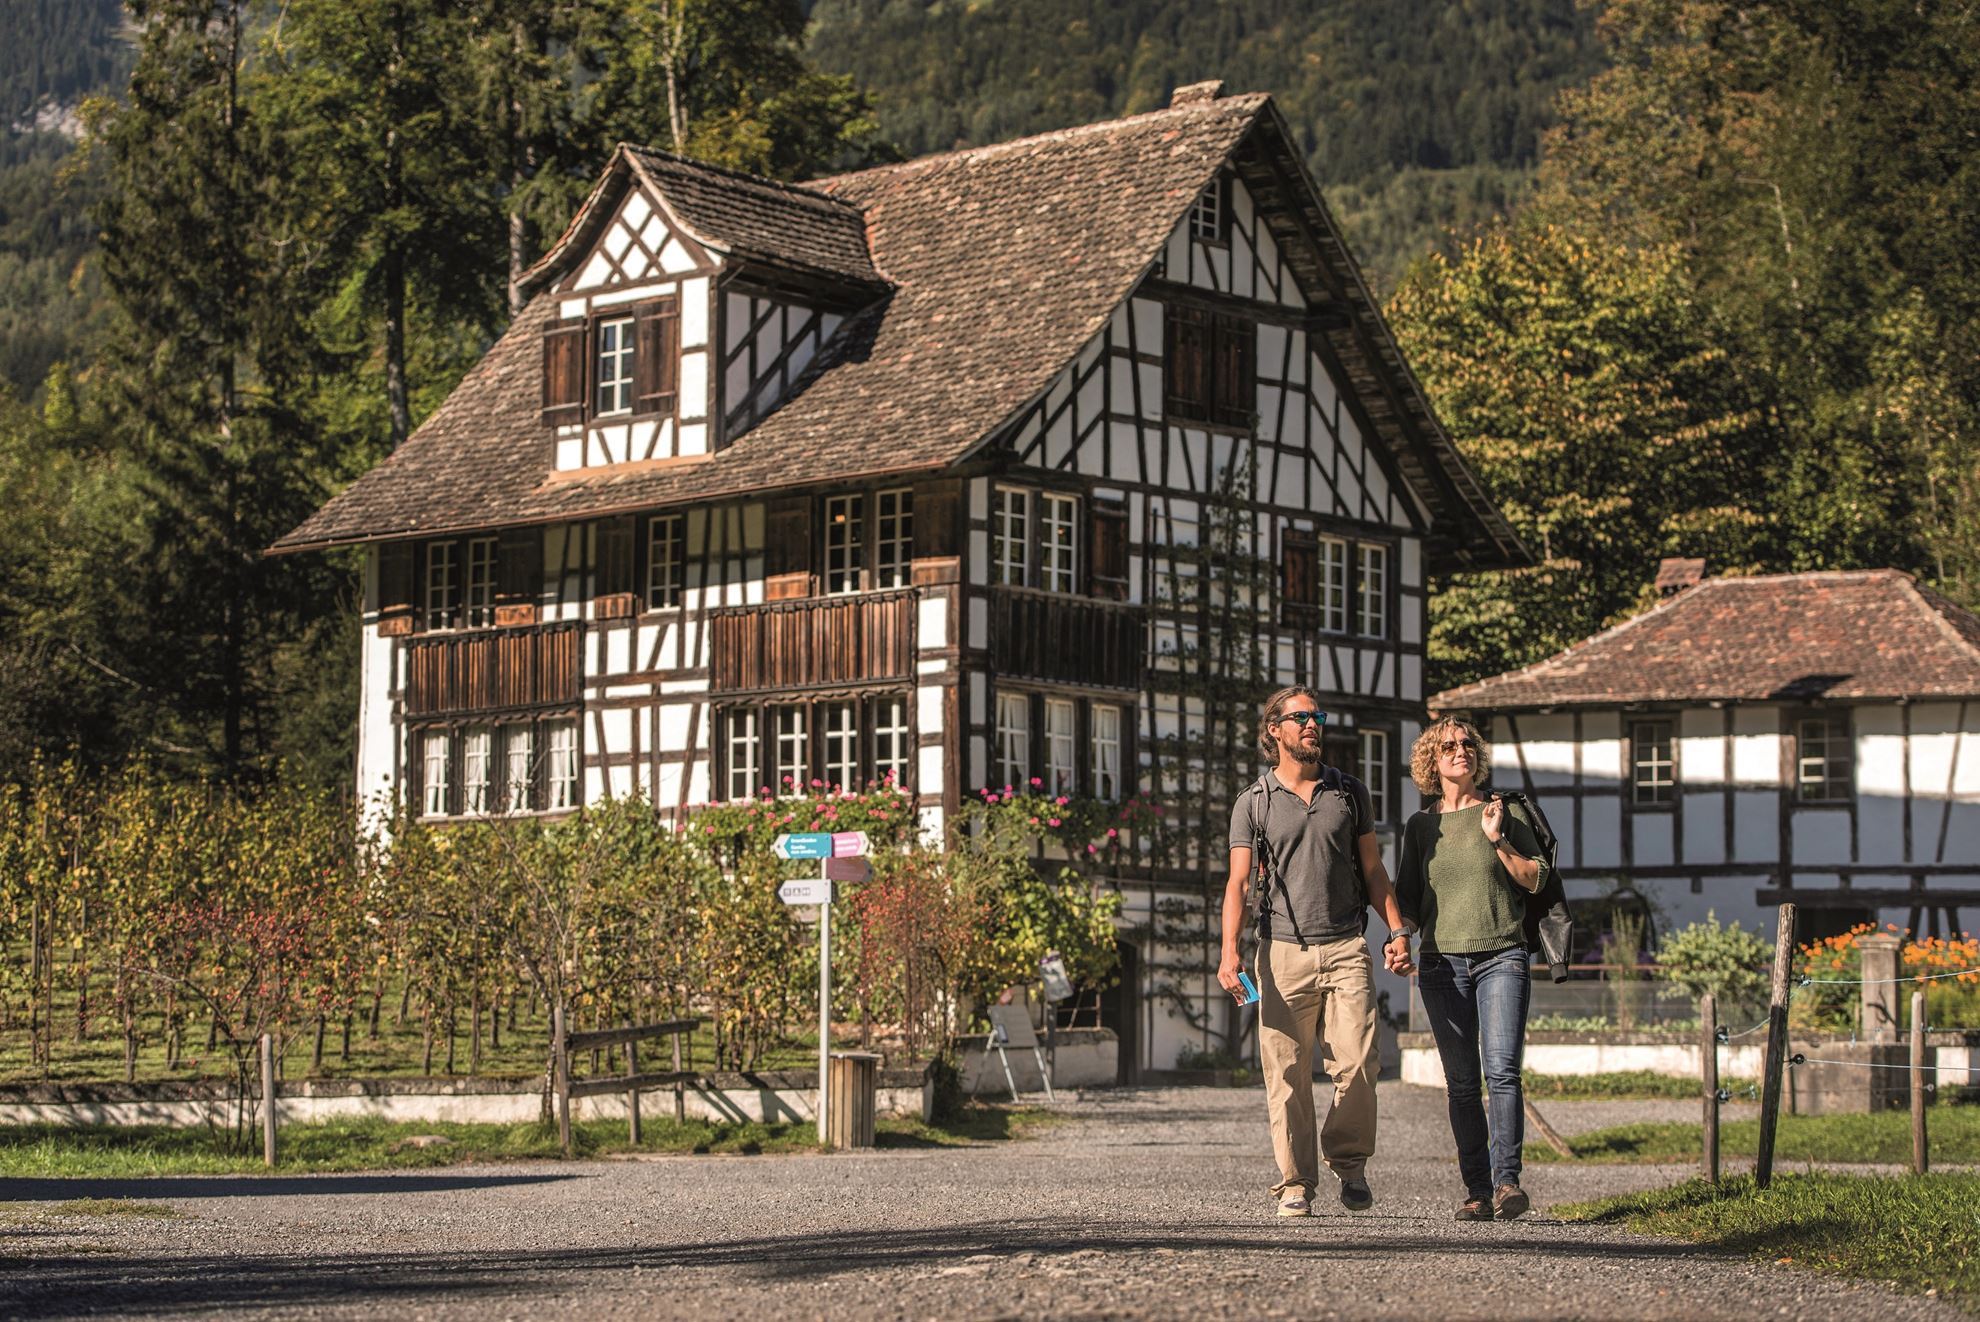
x=256, y=1186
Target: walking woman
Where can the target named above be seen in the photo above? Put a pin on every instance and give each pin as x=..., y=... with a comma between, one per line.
x=1468, y=861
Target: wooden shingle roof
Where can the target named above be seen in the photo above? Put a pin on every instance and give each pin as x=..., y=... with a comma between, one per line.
x=1856, y=635
x=986, y=271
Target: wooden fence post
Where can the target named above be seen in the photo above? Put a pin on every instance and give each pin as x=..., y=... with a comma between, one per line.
x=1920, y=1155
x=560, y=1076
x=632, y=1094
x=1776, y=1059
x=1708, y=1076
x=680, y=1090
x=268, y=1098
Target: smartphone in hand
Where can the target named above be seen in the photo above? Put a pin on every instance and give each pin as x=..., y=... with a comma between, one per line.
x=1250, y=988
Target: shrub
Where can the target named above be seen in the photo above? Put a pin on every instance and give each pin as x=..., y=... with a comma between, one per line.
x=1724, y=961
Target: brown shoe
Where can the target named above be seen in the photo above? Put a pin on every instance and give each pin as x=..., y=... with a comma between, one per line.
x=1475, y=1209
x=1511, y=1203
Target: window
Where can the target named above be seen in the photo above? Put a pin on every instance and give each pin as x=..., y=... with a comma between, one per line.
x=433, y=795
x=1209, y=367
x=664, y=554
x=1375, y=770
x=793, y=761
x=1014, y=740
x=477, y=770
x=1058, y=516
x=1206, y=214
x=1372, y=591
x=615, y=366
x=1010, y=537
x=1333, y=554
x=519, y=768
x=745, y=753
x=1106, y=752
x=890, y=740
x=1823, y=771
x=563, y=769
x=843, y=543
x=1653, y=769
x=895, y=552
x=443, y=585
x=841, y=728
x=1061, y=760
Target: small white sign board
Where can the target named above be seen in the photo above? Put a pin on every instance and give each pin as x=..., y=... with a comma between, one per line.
x=1010, y=1026
x=805, y=890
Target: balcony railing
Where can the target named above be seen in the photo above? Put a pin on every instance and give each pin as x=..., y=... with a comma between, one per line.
x=493, y=670
x=813, y=642
x=1066, y=639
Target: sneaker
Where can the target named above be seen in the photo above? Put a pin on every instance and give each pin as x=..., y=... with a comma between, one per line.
x=1512, y=1202
x=1475, y=1209
x=1295, y=1202
x=1355, y=1195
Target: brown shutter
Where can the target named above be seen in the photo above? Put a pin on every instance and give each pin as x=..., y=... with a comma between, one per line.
x=395, y=589
x=787, y=548
x=935, y=505
x=519, y=576
x=1299, y=557
x=1186, y=363
x=612, y=590
x=1234, y=392
x=563, y=374
x=1107, y=549
x=656, y=356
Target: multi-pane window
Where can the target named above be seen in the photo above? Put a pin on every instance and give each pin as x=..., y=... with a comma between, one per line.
x=890, y=740
x=840, y=721
x=844, y=543
x=1106, y=752
x=664, y=554
x=477, y=770
x=443, y=585
x=1058, y=516
x=1010, y=536
x=1653, y=767
x=1206, y=215
x=435, y=765
x=1375, y=770
x=1371, y=614
x=1014, y=740
x=1823, y=761
x=745, y=760
x=615, y=366
x=1333, y=584
x=519, y=768
x=1061, y=758
x=793, y=750
x=563, y=768
x=894, y=550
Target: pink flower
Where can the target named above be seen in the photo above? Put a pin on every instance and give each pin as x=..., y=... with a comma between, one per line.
x=1032, y=820
x=1036, y=782
x=1060, y=802
x=1093, y=849
x=1050, y=822
x=1113, y=833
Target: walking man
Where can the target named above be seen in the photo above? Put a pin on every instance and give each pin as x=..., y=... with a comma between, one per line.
x=1311, y=829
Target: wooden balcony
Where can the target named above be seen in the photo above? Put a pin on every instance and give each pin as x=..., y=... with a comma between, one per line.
x=1067, y=639
x=812, y=643
x=492, y=670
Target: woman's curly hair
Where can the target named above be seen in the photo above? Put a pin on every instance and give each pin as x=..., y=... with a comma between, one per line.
x=1423, y=757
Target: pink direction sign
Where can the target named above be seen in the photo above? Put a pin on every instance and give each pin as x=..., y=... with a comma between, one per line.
x=848, y=844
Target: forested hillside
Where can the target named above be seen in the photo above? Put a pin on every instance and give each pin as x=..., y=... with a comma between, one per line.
x=1416, y=115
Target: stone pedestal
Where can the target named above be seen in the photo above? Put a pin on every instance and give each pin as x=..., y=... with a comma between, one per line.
x=1882, y=1018
x=1849, y=1088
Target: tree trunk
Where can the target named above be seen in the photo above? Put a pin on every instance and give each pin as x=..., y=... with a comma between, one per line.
x=316, y=1051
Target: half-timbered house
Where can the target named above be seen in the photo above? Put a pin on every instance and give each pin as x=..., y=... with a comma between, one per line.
x=886, y=474
x=1812, y=738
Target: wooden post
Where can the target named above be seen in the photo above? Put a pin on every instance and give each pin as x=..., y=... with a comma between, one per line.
x=268, y=1098
x=560, y=1076
x=1776, y=1059
x=632, y=1094
x=680, y=1090
x=1708, y=1078
x=1920, y=1154
x=1548, y=1134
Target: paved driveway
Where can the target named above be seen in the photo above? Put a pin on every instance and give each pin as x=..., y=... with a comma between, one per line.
x=1154, y=1204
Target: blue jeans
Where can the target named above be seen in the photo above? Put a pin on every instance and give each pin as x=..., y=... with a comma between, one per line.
x=1477, y=1006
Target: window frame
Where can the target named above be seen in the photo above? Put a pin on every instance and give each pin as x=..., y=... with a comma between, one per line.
x=1334, y=588
x=1099, y=742
x=755, y=729
x=1056, y=558
x=447, y=747
x=1649, y=792
x=625, y=355
x=1013, y=738
x=844, y=559
x=1376, y=769
x=1214, y=202
x=839, y=748
x=1058, y=736
x=664, y=576
x=899, y=731
x=1003, y=564
x=1371, y=622
x=1840, y=727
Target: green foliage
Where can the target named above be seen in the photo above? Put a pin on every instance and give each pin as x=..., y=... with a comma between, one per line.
x=1882, y=1137
x=1722, y=961
x=1616, y=1085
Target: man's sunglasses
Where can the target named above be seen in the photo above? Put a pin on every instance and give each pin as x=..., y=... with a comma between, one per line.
x=1305, y=718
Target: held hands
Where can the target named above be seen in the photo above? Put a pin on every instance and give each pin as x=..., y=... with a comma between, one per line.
x=1493, y=819
x=1395, y=956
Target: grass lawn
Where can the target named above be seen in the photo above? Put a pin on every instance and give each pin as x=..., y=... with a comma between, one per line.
x=1954, y=1132
x=1920, y=1233
x=1624, y=1085
x=53, y=1151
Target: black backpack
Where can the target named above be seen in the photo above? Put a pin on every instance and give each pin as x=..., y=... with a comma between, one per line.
x=1549, y=926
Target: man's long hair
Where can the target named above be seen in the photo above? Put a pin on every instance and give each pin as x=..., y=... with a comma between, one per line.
x=1275, y=706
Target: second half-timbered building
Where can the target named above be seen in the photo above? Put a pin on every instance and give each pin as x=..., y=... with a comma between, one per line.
x=894, y=474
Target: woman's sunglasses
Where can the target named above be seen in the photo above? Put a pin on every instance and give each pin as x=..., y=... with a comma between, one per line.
x=1450, y=746
x=1305, y=718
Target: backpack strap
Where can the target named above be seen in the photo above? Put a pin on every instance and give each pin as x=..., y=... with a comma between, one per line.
x=1261, y=857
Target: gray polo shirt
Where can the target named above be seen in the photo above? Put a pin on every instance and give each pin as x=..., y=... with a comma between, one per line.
x=1315, y=850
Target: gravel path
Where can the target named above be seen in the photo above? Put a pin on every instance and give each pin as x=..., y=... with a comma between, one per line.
x=1153, y=1204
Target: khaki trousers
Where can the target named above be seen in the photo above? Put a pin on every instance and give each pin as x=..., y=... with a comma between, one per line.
x=1329, y=986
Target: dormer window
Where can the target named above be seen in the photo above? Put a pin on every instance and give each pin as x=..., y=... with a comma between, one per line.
x=615, y=366
x=625, y=363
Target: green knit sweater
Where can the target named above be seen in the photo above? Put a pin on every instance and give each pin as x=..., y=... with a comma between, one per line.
x=1453, y=886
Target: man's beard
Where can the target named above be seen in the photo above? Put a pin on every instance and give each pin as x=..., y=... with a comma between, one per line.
x=1307, y=755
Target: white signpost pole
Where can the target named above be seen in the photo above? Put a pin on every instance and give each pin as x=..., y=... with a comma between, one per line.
x=824, y=1012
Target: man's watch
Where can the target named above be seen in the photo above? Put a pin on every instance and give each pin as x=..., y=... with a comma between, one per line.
x=1403, y=933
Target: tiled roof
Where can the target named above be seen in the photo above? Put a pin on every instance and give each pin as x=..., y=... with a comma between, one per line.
x=1002, y=262
x=1863, y=634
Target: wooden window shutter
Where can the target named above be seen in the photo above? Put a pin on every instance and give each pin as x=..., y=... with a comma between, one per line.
x=935, y=523
x=1299, y=557
x=1234, y=392
x=563, y=374
x=613, y=592
x=787, y=548
x=395, y=589
x=519, y=576
x=656, y=356
x=1107, y=549
x=1186, y=363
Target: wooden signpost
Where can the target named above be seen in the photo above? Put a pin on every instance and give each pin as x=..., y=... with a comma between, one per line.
x=1708, y=1075
x=843, y=855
